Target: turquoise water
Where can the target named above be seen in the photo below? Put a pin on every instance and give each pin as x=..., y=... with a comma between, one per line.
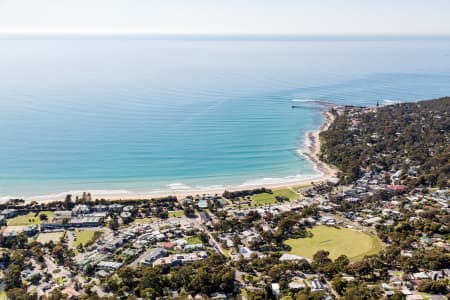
x=152, y=114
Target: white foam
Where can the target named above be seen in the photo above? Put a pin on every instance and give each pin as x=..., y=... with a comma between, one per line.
x=178, y=186
x=280, y=180
x=303, y=100
x=62, y=195
x=215, y=187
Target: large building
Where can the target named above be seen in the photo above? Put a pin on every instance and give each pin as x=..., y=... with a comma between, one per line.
x=75, y=222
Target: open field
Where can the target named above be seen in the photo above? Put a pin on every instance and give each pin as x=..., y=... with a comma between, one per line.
x=194, y=240
x=29, y=219
x=83, y=237
x=266, y=198
x=144, y=220
x=353, y=243
x=50, y=236
x=176, y=214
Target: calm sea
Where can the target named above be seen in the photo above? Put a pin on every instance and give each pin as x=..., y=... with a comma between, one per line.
x=151, y=113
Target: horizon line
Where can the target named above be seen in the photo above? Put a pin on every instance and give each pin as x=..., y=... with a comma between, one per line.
x=227, y=36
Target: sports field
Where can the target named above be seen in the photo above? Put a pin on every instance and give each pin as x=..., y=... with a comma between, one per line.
x=353, y=243
x=266, y=198
x=29, y=219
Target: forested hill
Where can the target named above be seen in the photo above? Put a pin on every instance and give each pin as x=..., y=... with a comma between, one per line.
x=407, y=141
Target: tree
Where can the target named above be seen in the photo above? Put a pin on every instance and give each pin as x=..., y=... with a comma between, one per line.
x=339, y=284
x=114, y=223
x=20, y=294
x=112, y=284
x=58, y=253
x=68, y=204
x=189, y=211
x=56, y=294
x=18, y=257
x=398, y=296
x=128, y=277
x=19, y=242
x=227, y=280
x=361, y=292
x=341, y=263
x=321, y=261
x=62, y=254
x=204, y=237
x=433, y=286
x=43, y=217
x=35, y=278
x=152, y=278
x=12, y=277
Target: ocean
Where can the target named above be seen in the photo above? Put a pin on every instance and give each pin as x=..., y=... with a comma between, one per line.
x=153, y=113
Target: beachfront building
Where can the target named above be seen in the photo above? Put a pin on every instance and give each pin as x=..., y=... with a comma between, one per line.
x=9, y=213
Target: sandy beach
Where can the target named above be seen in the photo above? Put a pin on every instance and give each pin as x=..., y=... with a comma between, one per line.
x=310, y=151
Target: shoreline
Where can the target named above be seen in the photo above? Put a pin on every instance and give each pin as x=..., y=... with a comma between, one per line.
x=310, y=151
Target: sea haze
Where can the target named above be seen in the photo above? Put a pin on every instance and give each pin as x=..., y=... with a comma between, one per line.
x=150, y=113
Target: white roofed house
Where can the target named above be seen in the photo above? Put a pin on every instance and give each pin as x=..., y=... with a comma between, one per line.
x=292, y=257
x=154, y=255
x=81, y=209
x=115, y=207
x=108, y=265
x=245, y=252
x=373, y=221
x=100, y=208
x=296, y=285
x=275, y=289
x=316, y=285
x=193, y=247
x=396, y=175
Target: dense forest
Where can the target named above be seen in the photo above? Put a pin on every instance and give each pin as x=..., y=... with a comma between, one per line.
x=409, y=137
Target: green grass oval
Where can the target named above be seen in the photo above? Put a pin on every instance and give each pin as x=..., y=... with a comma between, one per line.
x=355, y=244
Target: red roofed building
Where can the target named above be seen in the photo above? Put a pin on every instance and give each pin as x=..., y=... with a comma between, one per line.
x=397, y=187
x=168, y=245
x=71, y=293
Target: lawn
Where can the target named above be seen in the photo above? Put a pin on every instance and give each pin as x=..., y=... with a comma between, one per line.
x=29, y=219
x=61, y=280
x=144, y=220
x=266, y=198
x=353, y=243
x=83, y=237
x=176, y=214
x=194, y=240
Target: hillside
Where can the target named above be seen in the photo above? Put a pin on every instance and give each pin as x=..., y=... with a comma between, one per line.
x=407, y=142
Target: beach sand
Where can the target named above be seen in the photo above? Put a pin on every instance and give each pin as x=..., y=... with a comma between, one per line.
x=310, y=151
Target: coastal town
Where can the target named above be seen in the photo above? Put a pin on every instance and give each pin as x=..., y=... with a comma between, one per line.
x=367, y=232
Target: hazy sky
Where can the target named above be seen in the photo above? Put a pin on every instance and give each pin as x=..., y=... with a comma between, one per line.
x=226, y=16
